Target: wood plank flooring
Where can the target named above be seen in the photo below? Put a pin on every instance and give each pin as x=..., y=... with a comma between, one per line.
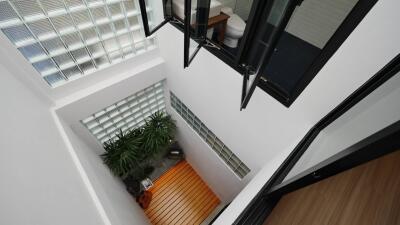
x=180, y=196
x=365, y=195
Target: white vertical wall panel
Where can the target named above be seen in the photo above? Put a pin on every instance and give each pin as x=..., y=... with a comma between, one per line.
x=315, y=21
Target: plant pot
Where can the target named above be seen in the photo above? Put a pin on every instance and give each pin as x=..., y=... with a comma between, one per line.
x=133, y=186
x=144, y=199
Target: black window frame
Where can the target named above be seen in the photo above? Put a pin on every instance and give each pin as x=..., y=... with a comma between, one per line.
x=378, y=144
x=167, y=18
x=352, y=20
x=198, y=33
x=248, y=90
x=237, y=62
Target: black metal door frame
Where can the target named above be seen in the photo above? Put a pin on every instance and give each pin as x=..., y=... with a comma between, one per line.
x=145, y=19
x=376, y=145
x=387, y=140
x=343, y=31
x=267, y=53
x=199, y=33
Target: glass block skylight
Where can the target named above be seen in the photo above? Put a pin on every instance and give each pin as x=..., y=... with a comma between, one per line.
x=66, y=39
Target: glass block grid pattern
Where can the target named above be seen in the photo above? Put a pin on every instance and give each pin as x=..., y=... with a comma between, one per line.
x=66, y=39
x=127, y=114
x=234, y=163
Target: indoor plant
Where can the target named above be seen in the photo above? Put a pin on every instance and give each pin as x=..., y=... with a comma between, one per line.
x=130, y=155
x=158, y=133
x=123, y=154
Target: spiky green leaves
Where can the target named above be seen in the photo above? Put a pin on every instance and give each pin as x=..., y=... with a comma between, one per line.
x=157, y=133
x=124, y=154
x=129, y=153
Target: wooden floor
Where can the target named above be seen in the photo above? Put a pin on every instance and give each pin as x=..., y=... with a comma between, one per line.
x=180, y=196
x=365, y=195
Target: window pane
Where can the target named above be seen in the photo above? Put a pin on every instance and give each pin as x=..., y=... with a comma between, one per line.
x=59, y=30
x=220, y=149
x=310, y=27
x=31, y=51
x=235, y=15
x=373, y=113
x=124, y=114
x=6, y=12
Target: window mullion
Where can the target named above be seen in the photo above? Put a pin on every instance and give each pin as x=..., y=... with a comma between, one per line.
x=113, y=28
x=79, y=33
x=141, y=27
x=128, y=25
x=37, y=39
x=59, y=35
x=96, y=28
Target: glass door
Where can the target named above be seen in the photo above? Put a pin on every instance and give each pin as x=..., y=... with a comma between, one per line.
x=193, y=14
x=155, y=14
x=195, y=33
x=264, y=43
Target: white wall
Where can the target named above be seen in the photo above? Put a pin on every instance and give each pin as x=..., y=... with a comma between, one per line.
x=240, y=7
x=26, y=73
x=49, y=175
x=259, y=134
x=251, y=189
x=87, y=101
x=118, y=204
x=315, y=21
x=39, y=181
x=228, y=3
x=377, y=111
x=212, y=90
x=219, y=177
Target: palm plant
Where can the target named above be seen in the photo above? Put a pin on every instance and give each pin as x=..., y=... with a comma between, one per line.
x=130, y=153
x=158, y=132
x=123, y=154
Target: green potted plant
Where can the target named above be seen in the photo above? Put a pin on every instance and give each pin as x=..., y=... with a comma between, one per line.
x=158, y=133
x=131, y=154
x=123, y=154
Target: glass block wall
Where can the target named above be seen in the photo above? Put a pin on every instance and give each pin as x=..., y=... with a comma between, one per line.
x=66, y=39
x=126, y=114
x=223, y=152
